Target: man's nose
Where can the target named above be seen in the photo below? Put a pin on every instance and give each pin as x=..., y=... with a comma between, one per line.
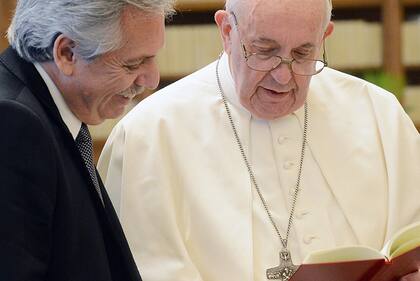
x=283, y=72
x=149, y=78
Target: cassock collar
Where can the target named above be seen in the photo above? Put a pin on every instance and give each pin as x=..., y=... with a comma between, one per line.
x=228, y=84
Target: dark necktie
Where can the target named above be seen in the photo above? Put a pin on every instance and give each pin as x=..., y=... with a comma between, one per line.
x=84, y=144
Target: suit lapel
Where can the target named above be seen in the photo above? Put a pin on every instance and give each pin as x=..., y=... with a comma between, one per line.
x=115, y=232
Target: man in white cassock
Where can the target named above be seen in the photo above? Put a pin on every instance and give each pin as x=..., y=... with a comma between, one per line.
x=264, y=151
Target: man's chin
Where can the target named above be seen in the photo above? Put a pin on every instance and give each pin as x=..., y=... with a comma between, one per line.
x=264, y=115
x=270, y=111
x=114, y=114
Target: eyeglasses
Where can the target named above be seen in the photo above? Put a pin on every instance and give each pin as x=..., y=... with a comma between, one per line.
x=265, y=63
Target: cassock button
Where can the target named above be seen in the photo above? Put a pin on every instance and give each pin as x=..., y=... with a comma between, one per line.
x=300, y=214
x=308, y=239
x=282, y=139
x=288, y=165
x=292, y=191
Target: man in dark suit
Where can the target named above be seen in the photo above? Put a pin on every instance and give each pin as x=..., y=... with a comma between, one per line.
x=70, y=63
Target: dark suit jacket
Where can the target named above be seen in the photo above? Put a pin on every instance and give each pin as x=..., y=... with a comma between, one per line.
x=53, y=224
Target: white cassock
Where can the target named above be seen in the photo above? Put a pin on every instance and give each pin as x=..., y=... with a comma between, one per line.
x=185, y=199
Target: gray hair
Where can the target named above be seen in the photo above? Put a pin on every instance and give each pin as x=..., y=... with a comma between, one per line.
x=94, y=25
x=231, y=5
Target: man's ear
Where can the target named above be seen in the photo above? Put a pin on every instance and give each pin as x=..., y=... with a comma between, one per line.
x=64, y=56
x=222, y=20
x=328, y=30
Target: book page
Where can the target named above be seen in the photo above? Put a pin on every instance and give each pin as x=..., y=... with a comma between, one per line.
x=342, y=254
x=404, y=248
x=399, y=240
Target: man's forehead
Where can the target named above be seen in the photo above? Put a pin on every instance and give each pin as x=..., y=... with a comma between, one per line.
x=269, y=21
x=248, y=8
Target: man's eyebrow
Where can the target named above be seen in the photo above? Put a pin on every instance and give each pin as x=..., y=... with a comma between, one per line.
x=306, y=46
x=274, y=44
x=137, y=60
x=265, y=40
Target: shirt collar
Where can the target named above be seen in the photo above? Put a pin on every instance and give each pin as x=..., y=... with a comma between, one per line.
x=71, y=121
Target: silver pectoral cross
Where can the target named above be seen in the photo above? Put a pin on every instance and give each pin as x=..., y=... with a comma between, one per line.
x=285, y=270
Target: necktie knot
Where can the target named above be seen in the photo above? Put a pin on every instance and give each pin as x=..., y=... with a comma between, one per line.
x=84, y=135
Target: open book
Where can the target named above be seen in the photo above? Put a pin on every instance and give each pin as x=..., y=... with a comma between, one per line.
x=400, y=257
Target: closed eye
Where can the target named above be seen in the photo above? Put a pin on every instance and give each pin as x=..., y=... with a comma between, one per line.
x=266, y=52
x=263, y=56
x=300, y=55
x=132, y=67
x=137, y=64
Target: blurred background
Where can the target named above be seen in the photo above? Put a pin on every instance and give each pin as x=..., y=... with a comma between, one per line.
x=378, y=40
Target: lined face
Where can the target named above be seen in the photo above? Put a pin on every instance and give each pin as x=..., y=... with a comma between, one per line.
x=288, y=28
x=106, y=85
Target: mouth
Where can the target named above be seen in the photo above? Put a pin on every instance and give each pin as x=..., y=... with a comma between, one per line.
x=271, y=96
x=128, y=95
x=277, y=93
x=132, y=92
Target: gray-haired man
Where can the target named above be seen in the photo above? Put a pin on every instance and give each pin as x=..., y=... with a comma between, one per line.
x=70, y=63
